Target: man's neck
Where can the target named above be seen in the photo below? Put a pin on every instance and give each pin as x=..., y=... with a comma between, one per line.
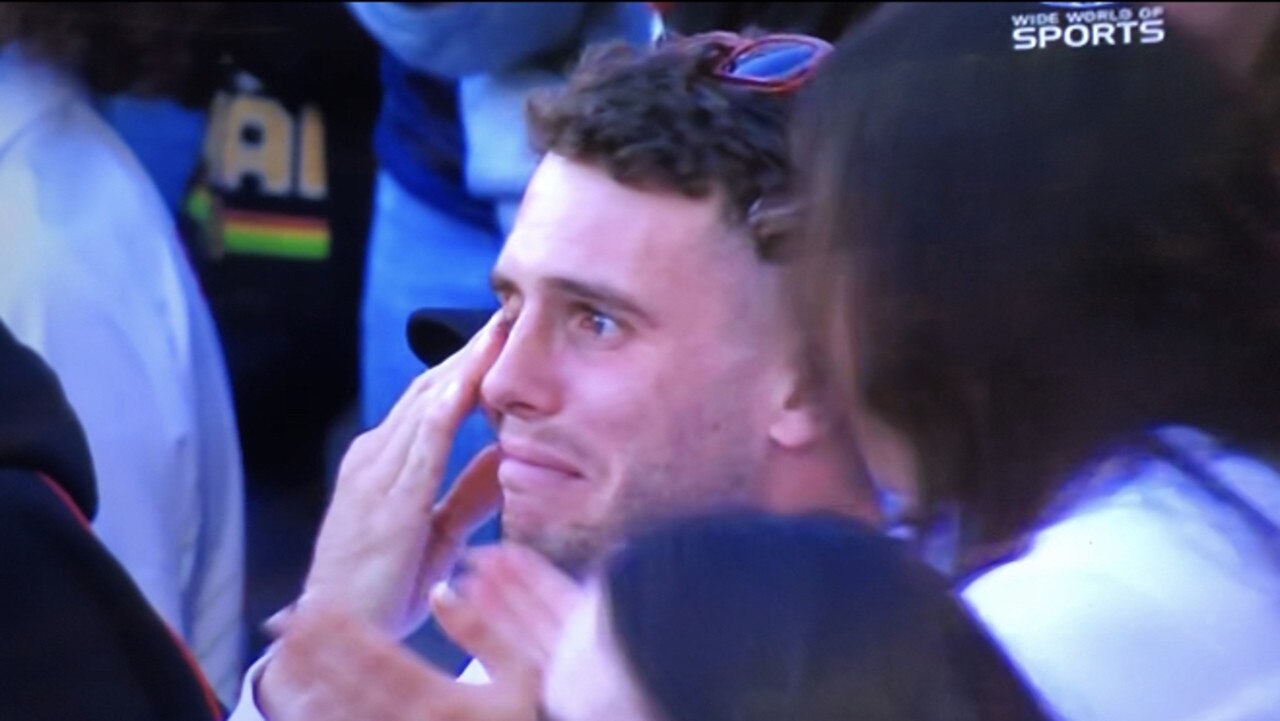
x=821, y=480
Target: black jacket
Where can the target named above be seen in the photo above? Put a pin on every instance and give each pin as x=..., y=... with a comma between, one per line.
x=78, y=641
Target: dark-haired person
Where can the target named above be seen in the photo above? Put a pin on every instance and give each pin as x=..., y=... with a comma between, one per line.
x=642, y=367
x=93, y=278
x=454, y=162
x=758, y=618
x=1043, y=281
x=80, y=641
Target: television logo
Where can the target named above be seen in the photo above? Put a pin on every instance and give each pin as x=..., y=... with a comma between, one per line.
x=1088, y=25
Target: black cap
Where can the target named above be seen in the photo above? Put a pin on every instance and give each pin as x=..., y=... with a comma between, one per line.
x=434, y=334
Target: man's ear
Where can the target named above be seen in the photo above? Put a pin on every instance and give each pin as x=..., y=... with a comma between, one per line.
x=799, y=420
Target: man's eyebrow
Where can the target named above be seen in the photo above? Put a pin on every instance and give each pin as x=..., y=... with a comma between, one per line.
x=599, y=295
x=501, y=284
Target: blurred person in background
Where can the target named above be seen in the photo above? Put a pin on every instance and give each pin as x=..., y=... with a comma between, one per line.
x=1042, y=280
x=80, y=639
x=93, y=278
x=276, y=219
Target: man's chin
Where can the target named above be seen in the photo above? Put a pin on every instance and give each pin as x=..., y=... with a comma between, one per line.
x=575, y=556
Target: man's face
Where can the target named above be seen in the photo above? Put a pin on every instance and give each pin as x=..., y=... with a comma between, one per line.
x=643, y=361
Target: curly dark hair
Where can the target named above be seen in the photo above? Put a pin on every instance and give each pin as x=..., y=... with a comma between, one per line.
x=657, y=119
x=144, y=48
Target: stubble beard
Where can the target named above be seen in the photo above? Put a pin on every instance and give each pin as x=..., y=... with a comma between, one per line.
x=649, y=496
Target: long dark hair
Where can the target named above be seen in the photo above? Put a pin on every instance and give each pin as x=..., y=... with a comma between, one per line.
x=1024, y=260
x=748, y=617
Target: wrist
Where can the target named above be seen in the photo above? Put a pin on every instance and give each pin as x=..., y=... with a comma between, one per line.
x=264, y=685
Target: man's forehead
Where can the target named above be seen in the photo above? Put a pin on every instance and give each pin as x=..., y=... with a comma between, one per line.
x=576, y=221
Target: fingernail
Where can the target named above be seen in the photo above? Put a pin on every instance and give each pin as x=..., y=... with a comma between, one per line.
x=441, y=593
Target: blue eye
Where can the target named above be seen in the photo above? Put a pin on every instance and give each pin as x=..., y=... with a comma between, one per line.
x=599, y=324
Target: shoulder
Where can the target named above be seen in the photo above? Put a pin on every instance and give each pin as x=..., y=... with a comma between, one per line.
x=80, y=212
x=67, y=598
x=1142, y=602
x=49, y=552
x=60, y=163
x=1079, y=582
x=68, y=160
x=1144, y=526
x=31, y=507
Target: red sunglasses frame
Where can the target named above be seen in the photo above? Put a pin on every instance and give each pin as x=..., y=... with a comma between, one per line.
x=737, y=47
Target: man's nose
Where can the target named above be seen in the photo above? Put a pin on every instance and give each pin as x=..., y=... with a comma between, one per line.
x=523, y=380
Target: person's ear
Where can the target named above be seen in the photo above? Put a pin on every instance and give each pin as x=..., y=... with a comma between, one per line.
x=799, y=419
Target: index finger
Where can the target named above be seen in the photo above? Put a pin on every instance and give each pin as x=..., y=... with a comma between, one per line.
x=440, y=410
x=492, y=331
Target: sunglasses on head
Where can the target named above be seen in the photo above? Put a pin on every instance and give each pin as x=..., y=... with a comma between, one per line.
x=770, y=64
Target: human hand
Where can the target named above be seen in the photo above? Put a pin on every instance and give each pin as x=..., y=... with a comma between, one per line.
x=382, y=543
x=509, y=607
x=330, y=665
x=507, y=611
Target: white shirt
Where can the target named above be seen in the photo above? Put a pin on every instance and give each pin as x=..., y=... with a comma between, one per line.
x=247, y=709
x=93, y=278
x=1150, y=600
